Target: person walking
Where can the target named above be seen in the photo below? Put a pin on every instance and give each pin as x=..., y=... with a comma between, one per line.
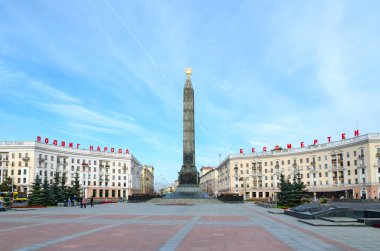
x=92, y=201
x=75, y=201
x=69, y=202
x=84, y=201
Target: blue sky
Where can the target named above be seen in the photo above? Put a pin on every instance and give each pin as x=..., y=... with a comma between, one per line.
x=111, y=73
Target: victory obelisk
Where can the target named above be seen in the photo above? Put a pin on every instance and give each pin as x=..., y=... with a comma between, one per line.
x=188, y=174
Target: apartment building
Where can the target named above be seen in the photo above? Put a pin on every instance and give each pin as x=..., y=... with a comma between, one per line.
x=348, y=167
x=102, y=174
x=208, y=180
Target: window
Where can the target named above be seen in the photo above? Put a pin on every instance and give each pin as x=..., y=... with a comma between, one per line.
x=247, y=171
x=78, y=161
x=19, y=180
x=265, y=163
x=301, y=161
x=348, y=163
x=325, y=157
x=20, y=155
x=355, y=162
x=288, y=161
x=13, y=155
x=319, y=158
x=349, y=172
x=326, y=174
x=19, y=172
x=52, y=158
x=363, y=180
x=24, y=171
x=308, y=176
x=320, y=175
x=24, y=180
x=363, y=171
x=356, y=171
x=307, y=160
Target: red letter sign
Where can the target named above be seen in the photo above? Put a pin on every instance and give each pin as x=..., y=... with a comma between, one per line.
x=356, y=133
x=264, y=149
x=91, y=148
x=241, y=150
x=343, y=136
x=329, y=139
x=127, y=151
x=55, y=142
x=46, y=140
x=315, y=141
x=253, y=149
x=71, y=144
x=289, y=146
x=38, y=138
x=105, y=149
x=302, y=144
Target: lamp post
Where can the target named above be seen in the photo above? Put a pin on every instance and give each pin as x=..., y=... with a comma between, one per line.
x=13, y=176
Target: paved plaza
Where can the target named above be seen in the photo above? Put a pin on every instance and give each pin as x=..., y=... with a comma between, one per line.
x=147, y=226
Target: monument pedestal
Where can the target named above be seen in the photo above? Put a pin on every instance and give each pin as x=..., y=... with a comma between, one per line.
x=188, y=192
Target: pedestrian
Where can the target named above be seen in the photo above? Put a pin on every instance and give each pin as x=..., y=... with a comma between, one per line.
x=92, y=201
x=75, y=200
x=81, y=202
x=69, y=202
x=84, y=201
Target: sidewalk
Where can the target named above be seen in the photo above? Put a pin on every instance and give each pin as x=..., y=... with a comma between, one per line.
x=146, y=226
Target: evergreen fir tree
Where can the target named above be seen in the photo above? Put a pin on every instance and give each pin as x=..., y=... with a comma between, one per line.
x=6, y=185
x=64, y=188
x=284, y=195
x=47, y=193
x=299, y=189
x=56, y=188
x=76, y=188
x=291, y=193
x=36, y=196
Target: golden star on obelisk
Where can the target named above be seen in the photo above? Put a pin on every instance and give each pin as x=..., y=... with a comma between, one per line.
x=188, y=72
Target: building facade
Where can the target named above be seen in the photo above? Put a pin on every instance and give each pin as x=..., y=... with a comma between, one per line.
x=102, y=174
x=349, y=168
x=208, y=180
x=147, y=180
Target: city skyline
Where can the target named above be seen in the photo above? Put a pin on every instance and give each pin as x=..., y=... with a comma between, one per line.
x=111, y=74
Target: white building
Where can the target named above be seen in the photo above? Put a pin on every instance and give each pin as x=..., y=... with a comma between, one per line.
x=348, y=167
x=102, y=174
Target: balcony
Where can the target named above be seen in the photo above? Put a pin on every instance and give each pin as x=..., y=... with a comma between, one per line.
x=361, y=156
x=25, y=158
x=362, y=165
